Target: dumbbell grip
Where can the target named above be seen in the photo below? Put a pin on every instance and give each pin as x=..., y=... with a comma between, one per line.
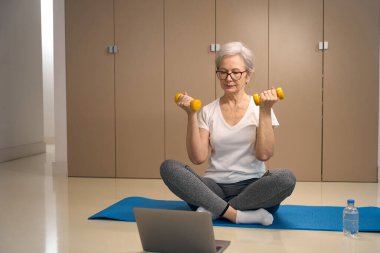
x=195, y=104
x=280, y=95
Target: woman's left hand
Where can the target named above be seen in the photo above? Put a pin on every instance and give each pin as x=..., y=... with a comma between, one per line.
x=268, y=98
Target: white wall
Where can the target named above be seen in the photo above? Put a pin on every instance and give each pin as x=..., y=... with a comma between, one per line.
x=48, y=68
x=21, y=109
x=60, y=83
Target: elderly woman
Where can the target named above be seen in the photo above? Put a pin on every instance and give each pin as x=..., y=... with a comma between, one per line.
x=240, y=136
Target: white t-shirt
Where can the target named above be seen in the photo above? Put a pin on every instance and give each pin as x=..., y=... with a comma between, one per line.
x=232, y=147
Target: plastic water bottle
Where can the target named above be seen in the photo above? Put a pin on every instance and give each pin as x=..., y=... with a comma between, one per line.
x=351, y=219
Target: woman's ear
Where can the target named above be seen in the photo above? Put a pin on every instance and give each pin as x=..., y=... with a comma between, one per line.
x=249, y=76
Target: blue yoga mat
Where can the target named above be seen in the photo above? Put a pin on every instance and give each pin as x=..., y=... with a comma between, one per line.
x=324, y=218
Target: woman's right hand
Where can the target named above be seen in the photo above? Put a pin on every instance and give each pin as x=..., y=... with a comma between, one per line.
x=184, y=102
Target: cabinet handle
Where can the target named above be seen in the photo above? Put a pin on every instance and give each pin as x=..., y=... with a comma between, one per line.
x=214, y=47
x=115, y=49
x=112, y=49
x=323, y=45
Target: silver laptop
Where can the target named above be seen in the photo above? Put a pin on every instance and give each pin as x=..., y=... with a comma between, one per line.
x=172, y=231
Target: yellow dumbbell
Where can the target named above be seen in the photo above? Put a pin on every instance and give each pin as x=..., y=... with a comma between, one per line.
x=280, y=95
x=195, y=104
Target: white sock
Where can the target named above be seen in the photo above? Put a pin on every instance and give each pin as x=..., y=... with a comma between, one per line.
x=260, y=216
x=201, y=209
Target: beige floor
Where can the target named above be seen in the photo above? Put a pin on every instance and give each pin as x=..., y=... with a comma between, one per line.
x=42, y=210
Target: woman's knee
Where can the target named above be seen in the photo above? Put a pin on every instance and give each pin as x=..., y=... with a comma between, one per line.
x=171, y=169
x=286, y=178
x=291, y=178
x=167, y=168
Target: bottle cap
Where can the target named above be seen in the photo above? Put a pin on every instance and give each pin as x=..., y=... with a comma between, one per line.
x=350, y=201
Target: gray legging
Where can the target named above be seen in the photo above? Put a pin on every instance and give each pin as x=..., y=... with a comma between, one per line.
x=265, y=192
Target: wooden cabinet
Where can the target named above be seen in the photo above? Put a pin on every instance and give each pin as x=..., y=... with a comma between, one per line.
x=115, y=101
x=122, y=121
x=189, y=66
x=139, y=88
x=329, y=119
x=90, y=88
x=295, y=63
x=351, y=91
x=247, y=21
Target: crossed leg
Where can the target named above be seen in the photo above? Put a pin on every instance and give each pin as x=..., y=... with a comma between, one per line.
x=247, y=207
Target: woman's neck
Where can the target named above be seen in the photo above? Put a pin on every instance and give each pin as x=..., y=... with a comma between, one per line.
x=234, y=99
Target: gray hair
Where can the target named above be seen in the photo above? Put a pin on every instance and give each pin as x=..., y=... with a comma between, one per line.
x=236, y=48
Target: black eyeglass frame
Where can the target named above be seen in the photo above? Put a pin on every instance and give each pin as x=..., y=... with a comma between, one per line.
x=230, y=74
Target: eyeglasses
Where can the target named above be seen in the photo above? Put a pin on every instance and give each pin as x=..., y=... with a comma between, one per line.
x=235, y=75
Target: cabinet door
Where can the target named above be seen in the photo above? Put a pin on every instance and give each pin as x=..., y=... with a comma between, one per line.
x=350, y=100
x=90, y=88
x=139, y=84
x=247, y=22
x=189, y=66
x=295, y=64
